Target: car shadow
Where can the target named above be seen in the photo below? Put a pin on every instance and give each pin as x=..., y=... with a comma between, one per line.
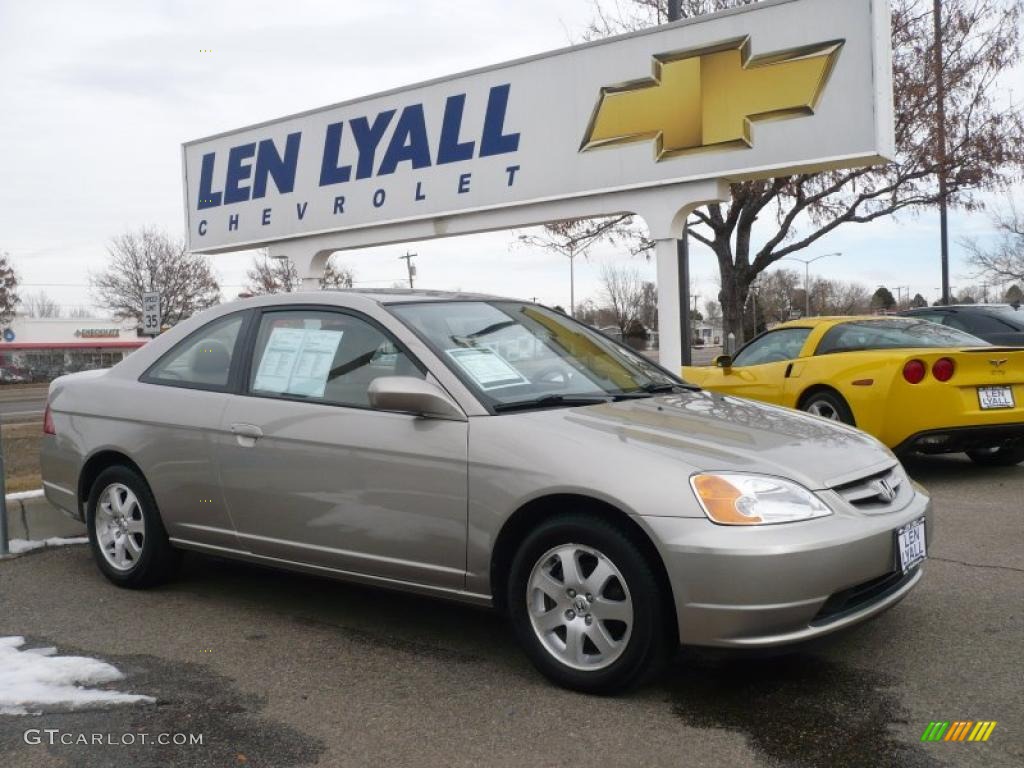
x=424, y=627
x=957, y=468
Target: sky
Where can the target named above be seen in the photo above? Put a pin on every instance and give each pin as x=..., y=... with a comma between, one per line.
x=98, y=98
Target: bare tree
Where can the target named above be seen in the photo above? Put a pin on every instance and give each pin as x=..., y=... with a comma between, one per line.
x=149, y=260
x=649, y=306
x=575, y=237
x=267, y=275
x=835, y=297
x=985, y=139
x=40, y=305
x=9, y=299
x=279, y=275
x=623, y=291
x=1002, y=262
x=80, y=313
x=337, y=276
x=777, y=294
x=713, y=315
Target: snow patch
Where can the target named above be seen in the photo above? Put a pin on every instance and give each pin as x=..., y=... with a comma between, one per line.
x=18, y=546
x=34, y=679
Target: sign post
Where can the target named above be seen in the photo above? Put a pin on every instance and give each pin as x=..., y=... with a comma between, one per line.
x=151, y=320
x=653, y=123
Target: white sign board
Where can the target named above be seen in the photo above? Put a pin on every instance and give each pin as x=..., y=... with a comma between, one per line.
x=151, y=314
x=780, y=86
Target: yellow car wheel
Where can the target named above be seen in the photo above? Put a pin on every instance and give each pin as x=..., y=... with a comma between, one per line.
x=828, y=404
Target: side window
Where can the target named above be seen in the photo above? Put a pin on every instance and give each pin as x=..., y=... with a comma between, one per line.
x=773, y=347
x=328, y=357
x=203, y=359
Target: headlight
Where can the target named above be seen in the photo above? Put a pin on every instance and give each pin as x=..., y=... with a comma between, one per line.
x=737, y=499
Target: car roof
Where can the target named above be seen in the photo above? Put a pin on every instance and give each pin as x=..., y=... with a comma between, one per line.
x=814, y=322
x=958, y=307
x=382, y=296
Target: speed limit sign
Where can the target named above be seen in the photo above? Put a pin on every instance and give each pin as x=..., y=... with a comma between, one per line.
x=151, y=314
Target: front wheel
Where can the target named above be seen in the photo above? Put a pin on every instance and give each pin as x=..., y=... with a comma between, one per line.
x=128, y=539
x=587, y=606
x=997, y=457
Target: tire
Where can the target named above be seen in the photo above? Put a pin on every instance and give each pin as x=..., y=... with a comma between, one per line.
x=634, y=646
x=132, y=552
x=828, y=405
x=1000, y=457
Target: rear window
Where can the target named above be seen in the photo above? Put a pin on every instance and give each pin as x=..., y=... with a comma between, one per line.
x=893, y=333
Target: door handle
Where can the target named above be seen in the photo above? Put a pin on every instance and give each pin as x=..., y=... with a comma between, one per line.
x=247, y=434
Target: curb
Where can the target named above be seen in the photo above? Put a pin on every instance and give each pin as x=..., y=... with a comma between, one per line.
x=30, y=516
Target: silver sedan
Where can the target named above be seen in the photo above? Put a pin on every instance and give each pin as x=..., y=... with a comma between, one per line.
x=490, y=451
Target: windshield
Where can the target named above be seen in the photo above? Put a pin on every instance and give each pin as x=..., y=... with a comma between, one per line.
x=893, y=333
x=513, y=353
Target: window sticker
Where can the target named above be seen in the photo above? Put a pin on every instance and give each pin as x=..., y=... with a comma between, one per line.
x=486, y=367
x=297, y=361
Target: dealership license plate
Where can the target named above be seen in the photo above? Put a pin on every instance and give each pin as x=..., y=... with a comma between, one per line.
x=995, y=397
x=910, y=544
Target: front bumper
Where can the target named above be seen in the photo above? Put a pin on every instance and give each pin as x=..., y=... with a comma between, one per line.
x=773, y=585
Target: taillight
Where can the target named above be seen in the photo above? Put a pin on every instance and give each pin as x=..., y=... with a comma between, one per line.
x=943, y=369
x=48, y=428
x=914, y=371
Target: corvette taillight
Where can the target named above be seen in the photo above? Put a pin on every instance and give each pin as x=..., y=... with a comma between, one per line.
x=914, y=371
x=48, y=428
x=943, y=369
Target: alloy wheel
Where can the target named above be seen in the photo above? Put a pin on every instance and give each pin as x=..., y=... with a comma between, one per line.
x=120, y=526
x=580, y=607
x=823, y=409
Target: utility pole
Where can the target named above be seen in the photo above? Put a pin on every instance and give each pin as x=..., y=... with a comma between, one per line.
x=940, y=133
x=410, y=267
x=683, y=245
x=4, y=547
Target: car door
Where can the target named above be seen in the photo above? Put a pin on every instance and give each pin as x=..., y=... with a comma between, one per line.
x=759, y=370
x=313, y=475
x=186, y=391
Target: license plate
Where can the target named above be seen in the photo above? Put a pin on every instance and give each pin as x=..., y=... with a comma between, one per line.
x=995, y=397
x=910, y=544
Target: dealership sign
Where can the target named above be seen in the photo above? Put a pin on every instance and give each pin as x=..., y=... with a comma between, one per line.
x=783, y=86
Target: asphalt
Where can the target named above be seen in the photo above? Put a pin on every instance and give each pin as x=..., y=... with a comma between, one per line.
x=283, y=670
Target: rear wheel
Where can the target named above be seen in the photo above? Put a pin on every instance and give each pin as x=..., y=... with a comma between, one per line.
x=828, y=405
x=587, y=606
x=128, y=539
x=997, y=457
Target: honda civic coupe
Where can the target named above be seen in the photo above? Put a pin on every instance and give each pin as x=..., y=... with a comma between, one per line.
x=917, y=386
x=490, y=451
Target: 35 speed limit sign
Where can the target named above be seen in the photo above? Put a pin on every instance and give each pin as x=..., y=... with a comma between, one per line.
x=151, y=314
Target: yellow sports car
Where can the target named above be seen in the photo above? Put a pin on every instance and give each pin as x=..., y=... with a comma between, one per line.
x=916, y=386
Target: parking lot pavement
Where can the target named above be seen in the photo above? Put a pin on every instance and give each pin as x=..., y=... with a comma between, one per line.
x=283, y=670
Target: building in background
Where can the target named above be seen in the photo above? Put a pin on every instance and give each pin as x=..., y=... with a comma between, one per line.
x=41, y=349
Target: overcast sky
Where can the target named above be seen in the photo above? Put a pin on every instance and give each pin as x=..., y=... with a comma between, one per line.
x=97, y=98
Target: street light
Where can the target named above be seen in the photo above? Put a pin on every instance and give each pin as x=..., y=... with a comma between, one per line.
x=807, y=276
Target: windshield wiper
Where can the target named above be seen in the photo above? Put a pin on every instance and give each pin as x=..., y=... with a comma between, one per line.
x=551, y=401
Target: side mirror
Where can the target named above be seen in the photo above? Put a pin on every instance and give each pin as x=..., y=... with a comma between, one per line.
x=723, y=361
x=411, y=395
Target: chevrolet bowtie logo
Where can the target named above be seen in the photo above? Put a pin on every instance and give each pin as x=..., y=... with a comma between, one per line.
x=707, y=98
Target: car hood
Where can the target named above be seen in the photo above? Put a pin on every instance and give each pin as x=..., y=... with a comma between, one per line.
x=709, y=431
